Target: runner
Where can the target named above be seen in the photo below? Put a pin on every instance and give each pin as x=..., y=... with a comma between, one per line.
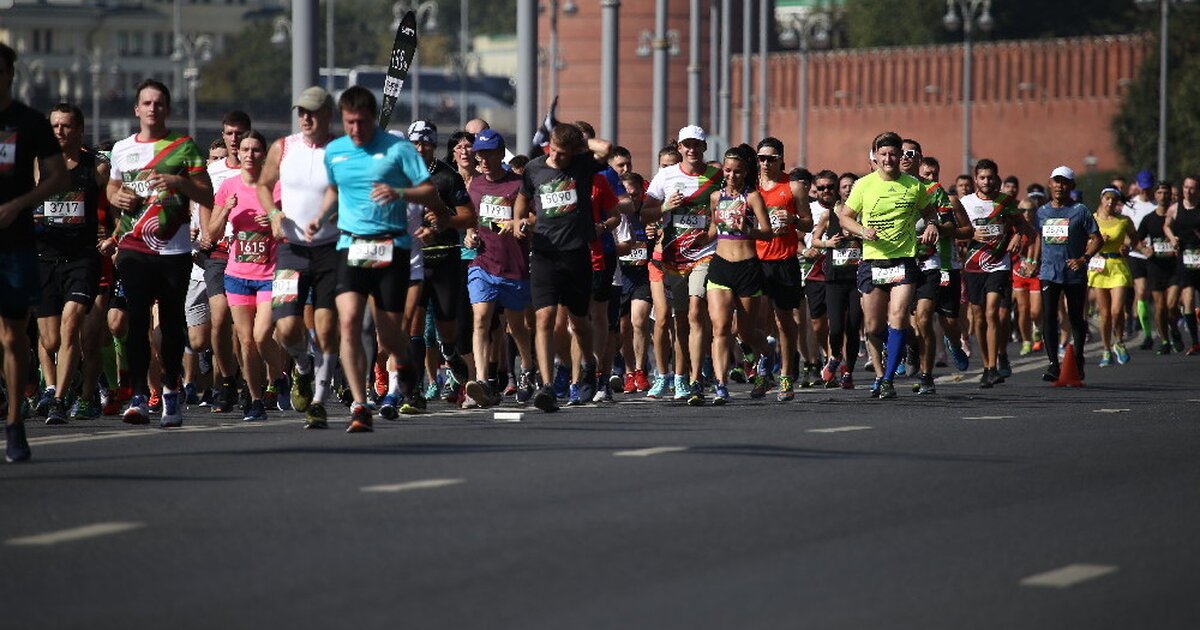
x=371, y=174
x=1070, y=237
x=735, y=278
x=69, y=263
x=155, y=174
x=633, y=246
x=1027, y=289
x=671, y=367
x=843, y=254
x=304, y=270
x=788, y=209
x=556, y=193
x=499, y=274
x=1140, y=205
x=26, y=143
x=1183, y=231
x=679, y=197
x=888, y=202
x=1000, y=232
x=250, y=270
x=1109, y=276
x=1162, y=266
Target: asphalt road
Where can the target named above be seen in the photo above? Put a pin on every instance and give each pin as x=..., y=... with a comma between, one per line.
x=1024, y=506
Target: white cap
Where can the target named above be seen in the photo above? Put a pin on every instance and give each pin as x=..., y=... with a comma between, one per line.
x=1064, y=172
x=692, y=132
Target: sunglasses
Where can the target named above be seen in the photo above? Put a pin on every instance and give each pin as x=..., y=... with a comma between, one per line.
x=767, y=158
x=827, y=187
x=909, y=154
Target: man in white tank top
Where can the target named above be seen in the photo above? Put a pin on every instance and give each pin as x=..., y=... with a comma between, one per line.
x=291, y=189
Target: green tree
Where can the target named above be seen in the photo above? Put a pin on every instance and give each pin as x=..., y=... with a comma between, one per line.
x=1135, y=127
x=251, y=69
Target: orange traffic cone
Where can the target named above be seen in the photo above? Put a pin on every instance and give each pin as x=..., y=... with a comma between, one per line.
x=1068, y=375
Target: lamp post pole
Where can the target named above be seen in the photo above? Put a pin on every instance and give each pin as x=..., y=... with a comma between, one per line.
x=609, y=26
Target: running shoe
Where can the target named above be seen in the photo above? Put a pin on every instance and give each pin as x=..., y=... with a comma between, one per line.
x=562, y=381
x=846, y=380
x=659, y=388
x=57, y=413
x=172, y=412
x=481, y=393
x=1164, y=348
x=926, y=386
x=257, y=412
x=1194, y=350
x=786, y=391
x=1051, y=373
x=360, y=419
x=987, y=380
x=616, y=385
x=468, y=402
x=760, y=386
x=191, y=395
x=573, y=396
x=155, y=402
x=640, y=382
x=546, y=400
x=1176, y=339
x=1038, y=345
x=85, y=410
x=696, y=395
x=270, y=398
x=414, y=405
x=431, y=390
x=225, y=399
x=682, y=389
x=302, y=389
x=630, y=384
x=111, y=405
x=887, y=389
x=587, y=387
x=957, y=354
x=1026, y=348
x=388, y=407
x=737, y=375
x=314, y=416
x=721, y=394
x=525, y=388
x=510, y=387
x=901, y=370
x=1147, y=342
x=42, y=406
x=138, y=411
x=1120, y=353
x=381, y=381
x=829, y=372
x=16, y=446
x=1005, y=368
x=1105, y=359
x=603, y=395
x=875, y=387
x=814, y=375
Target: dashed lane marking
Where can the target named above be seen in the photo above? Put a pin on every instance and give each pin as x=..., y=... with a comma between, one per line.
x=1068, y=576
x=988, y=417
x=647, y=452
x=839, y=429
x=75, y=533
x=1109, y=410
x=424, y=484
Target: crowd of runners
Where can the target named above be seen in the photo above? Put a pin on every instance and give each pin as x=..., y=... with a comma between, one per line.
x=380, y=271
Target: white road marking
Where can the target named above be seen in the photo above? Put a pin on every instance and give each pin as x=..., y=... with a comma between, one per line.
x=1068, y=576
x=73, y=534
x=988, y=417
x=647, y=452
x=1030, y=363
x=507, y=416
x=424, y=484
x=839, y=429
x=1109, y=410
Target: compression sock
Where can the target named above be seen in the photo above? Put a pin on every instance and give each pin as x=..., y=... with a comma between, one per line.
x=394, y=382
x=895, y=348
x=299, y=353
x=325, y=364
x=1143, y=315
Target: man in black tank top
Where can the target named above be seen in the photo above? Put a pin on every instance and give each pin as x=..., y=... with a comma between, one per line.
x=67, y=227
x=1183, y=231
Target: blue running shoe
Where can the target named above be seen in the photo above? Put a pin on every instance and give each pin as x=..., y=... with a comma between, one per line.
x=573, y=397
x=172, y=412
x=961, y=363
x=138, y=411
x=256, y=412
x=721, y=395
x=562, y=381
x=875, y=387
x=682, y=389
x=659, y=388
x=388, y=407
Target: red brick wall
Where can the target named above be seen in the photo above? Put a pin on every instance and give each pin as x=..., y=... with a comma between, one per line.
x=1037, y=104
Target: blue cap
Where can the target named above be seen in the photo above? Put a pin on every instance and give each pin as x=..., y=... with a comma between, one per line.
x=487, y=140
x=1145, y=180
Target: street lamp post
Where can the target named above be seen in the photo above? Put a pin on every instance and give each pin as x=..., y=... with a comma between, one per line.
x=808, y=30
x=609, y=36
x=193, y=50
x=660, y=43
x=95, y=71
x=747, y=36
x=966, y=13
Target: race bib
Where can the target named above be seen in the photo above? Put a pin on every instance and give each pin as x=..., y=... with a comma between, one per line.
x=8, y=151
x=495, y=211
x=252, y=248
x=140, y=187
x=637, y=254
x=988, y=230
x=945, y=279
x=63, y=212
x=1162, y=247
x=778, y=217
x=887, y=275
x=285, y=287
x=1191, y=258
x=1055, y=231
x=1096, y=264
x=559, y=201
x=843, y=256
x=365, y=252
x=689, y=221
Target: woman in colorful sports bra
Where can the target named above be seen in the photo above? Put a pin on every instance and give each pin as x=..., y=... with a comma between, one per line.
x=1109, y=274
x=735, y=277
x=882, y=210
x=251, y=269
